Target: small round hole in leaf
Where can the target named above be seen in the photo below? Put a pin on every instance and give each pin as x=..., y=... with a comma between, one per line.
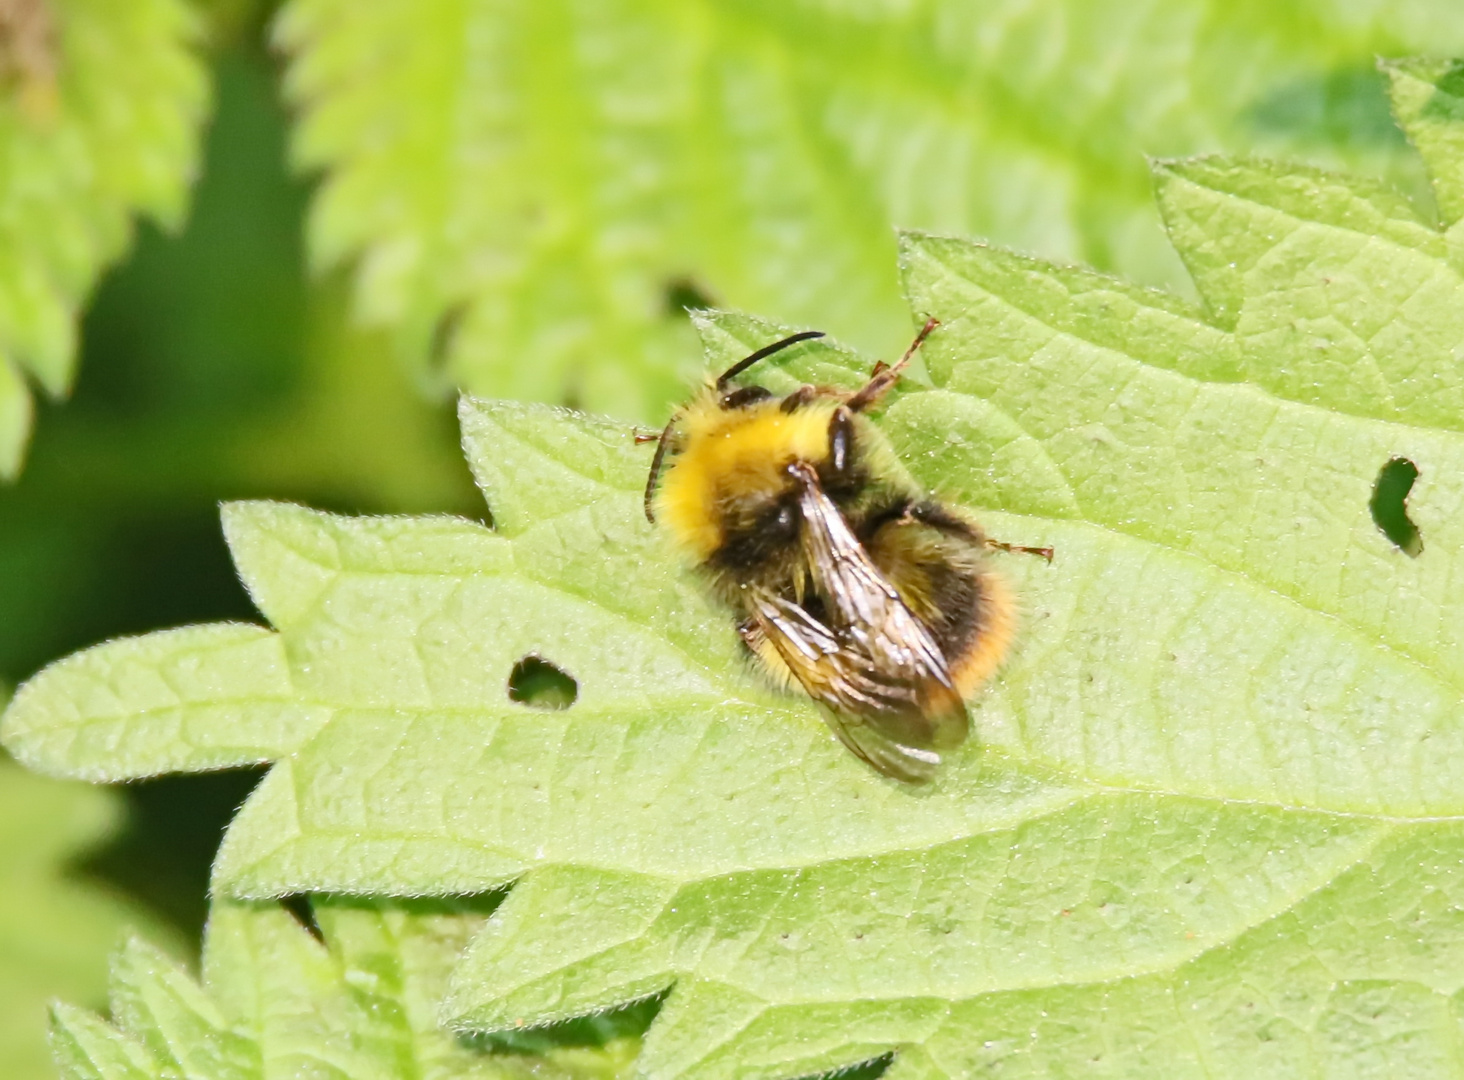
x=1389, y=505
x=536, y=682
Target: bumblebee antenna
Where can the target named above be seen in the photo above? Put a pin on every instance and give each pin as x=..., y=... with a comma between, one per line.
x=722, y=381
x=762, y=354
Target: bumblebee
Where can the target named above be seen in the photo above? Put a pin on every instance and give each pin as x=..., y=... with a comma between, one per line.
x=849, y=580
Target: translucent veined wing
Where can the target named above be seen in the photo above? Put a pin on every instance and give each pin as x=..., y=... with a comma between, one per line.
x=872, y=663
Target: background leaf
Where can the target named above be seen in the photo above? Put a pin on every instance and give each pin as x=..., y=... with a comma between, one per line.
x=357, y=1000
x=100, y=110
x=210, y=370
x=556, y=181
x=55, y=926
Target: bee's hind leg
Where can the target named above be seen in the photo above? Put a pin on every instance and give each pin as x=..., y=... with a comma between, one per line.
x=937, y=516
x=1045, y=552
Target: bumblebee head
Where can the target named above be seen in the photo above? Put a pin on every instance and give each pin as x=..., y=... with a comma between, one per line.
x=727, y=496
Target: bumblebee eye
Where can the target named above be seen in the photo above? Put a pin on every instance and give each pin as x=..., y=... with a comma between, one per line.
x=841, y=439
x=785, y=517
x=746, y=395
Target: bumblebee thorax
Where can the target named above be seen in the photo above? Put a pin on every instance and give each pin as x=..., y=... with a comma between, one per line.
x=730, y=469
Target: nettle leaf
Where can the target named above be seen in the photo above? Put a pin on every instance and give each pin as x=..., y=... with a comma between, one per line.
x=55, y=927
x=1211, y=822
x=101, y=106
x=556, y=181
x=357, y=1002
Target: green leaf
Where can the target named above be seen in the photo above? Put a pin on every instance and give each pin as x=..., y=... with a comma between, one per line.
x=55, y=929
x=1210, y=824
x=100, y=110
x=214, y=370
x=1428, y=97
x=555, y=180
x=361, y=1004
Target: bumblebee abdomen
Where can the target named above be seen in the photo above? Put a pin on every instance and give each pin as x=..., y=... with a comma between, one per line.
x=936, y=560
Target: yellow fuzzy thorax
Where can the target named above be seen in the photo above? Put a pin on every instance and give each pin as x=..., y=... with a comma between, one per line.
x=729, y=454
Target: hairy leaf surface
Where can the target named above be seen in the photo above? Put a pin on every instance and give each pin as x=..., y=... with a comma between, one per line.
x=358, y=1001
x=100, y=110
x=1210, y=824
x=532, y=191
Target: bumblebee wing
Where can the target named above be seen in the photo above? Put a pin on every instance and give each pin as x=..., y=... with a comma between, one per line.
x=907, y=672
x=874, y=665
x=871, y=717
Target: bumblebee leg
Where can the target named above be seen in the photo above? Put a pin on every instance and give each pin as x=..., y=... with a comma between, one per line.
x=773, y=664
x=667, y=435
x=1045, y=552
x=938, y=517
x=798, y=398
x=883, y=378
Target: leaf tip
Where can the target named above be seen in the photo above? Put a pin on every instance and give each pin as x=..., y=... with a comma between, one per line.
x=17, y=414
x=21, y=735
x=470, y=406
x=238, y=515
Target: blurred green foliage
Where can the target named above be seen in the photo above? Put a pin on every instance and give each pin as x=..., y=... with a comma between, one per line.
x=213, y=369
x=546, y=179
x=56, y=927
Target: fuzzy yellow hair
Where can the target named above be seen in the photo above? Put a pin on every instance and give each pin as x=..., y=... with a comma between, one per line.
x=727, y=454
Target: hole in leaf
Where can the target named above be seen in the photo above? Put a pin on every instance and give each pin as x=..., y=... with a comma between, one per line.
x=1389, y=505
x=535, y=681
x=684, y=294
x=303, y=912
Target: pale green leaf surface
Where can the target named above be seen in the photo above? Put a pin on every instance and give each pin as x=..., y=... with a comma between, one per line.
x=524, y=187
x=1338, y=294
x=101, y=106
x=1203, y=813
x=203, y=697
x=55, y=930
x=276, y=1004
